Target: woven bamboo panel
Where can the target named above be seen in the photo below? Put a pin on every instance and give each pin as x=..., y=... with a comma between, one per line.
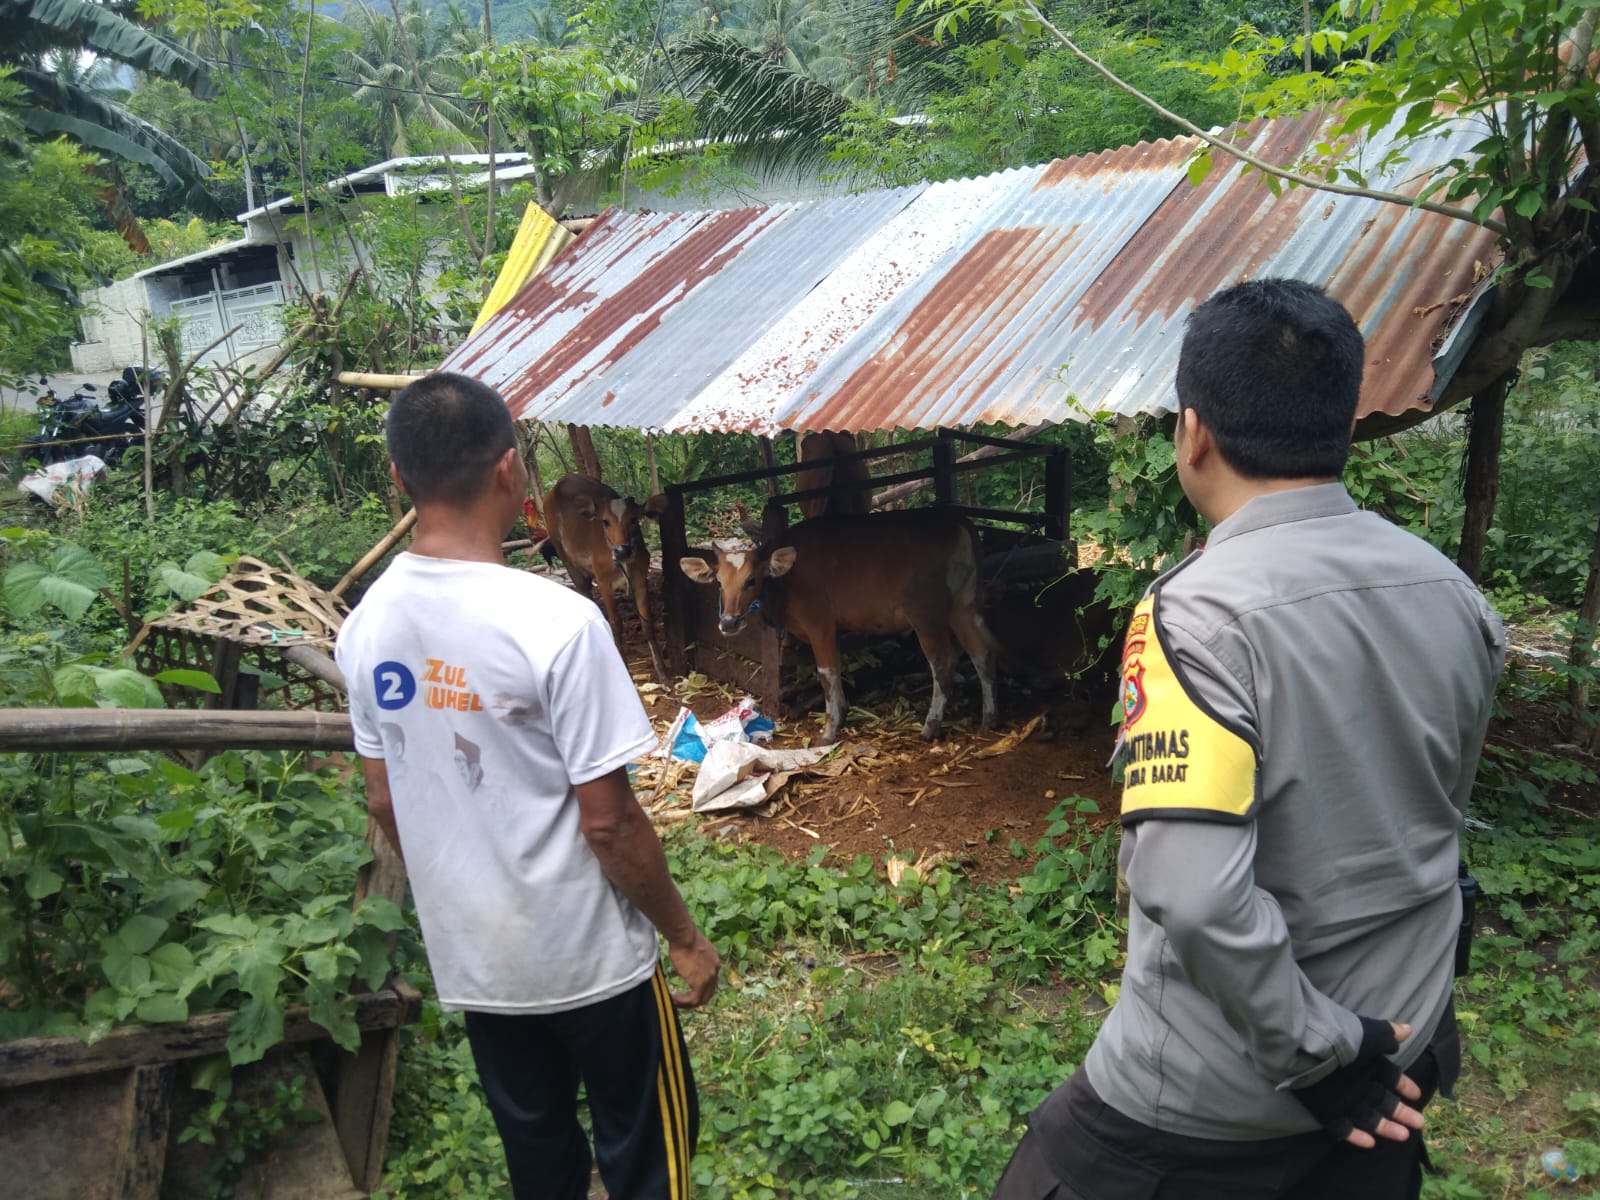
x=259, y=609
x=257, y=604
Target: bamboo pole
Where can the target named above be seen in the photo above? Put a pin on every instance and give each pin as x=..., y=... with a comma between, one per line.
x=377, y=382
x=370, y=559
x=46, y=729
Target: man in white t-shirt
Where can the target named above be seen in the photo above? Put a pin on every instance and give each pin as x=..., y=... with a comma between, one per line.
x=494, y=719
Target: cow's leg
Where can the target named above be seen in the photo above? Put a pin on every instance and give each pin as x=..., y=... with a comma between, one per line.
x=825, y=646
x=639, y=585
x=941, y=655
x=973, y=634
x=606, y=585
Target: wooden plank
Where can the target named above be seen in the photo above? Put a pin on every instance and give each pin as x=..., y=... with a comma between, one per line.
x=149, y=1118
x=364, y=1103
x=42, y=729
x=34, y=1060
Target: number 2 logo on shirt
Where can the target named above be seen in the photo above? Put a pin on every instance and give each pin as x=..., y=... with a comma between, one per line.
x=397, y=686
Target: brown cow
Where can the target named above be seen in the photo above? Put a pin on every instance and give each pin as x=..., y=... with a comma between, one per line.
x=883, y=573
x=850, y=482
x=599, y=539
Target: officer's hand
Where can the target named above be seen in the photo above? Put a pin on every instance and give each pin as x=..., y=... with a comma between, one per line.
x=697, y=962
x=1398, y=1125
x=1365, y=1101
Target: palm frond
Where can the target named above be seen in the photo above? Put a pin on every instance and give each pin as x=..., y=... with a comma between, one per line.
x=775, y=117
x=97, y=124
x=99, y=27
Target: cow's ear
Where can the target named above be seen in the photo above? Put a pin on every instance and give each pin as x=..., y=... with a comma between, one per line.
x=697, y=569
x=656, y=507
x=586, y=508
x=780, y=562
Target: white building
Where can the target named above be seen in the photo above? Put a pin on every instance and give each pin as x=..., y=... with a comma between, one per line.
x=239, y=289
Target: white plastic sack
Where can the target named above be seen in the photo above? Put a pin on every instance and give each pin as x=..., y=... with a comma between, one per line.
x=735, y=774
x=75, y=474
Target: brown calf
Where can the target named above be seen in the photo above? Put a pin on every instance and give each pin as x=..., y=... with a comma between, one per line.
x=850, y=481
x=599, y=539
x=883, y=573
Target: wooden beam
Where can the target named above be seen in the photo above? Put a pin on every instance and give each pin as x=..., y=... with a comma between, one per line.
x=377, y=382
x=35, y=1060
x=43, y=729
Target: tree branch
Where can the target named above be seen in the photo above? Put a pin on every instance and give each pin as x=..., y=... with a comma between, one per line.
x=1322, y=185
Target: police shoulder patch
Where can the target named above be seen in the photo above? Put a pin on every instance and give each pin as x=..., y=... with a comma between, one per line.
x=1179, y=758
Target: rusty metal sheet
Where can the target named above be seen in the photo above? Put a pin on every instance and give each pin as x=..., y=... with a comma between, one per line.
x=1042, y=294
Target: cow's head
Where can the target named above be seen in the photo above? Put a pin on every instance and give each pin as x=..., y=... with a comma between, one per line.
x=740, y=574
x=620, y=518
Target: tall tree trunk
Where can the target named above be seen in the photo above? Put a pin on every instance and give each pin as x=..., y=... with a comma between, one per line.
x=1580, y=656
x=1483, y=473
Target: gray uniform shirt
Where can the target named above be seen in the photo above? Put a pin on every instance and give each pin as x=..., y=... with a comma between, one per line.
x=1304, y=706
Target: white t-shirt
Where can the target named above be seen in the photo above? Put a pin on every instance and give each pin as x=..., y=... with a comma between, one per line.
x=489, y=693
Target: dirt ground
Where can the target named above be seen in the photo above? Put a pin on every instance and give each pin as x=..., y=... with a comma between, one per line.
x=950, y=800
x=902, y=796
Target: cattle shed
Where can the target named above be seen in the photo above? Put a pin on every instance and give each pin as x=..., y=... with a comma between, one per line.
x=1029, y=297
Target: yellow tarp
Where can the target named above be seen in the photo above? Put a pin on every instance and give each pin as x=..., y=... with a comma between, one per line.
x=539, y=239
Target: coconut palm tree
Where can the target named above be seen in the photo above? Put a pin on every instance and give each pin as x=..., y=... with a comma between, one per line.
x=383, y=66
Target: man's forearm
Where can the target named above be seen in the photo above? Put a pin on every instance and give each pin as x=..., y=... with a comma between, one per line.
x=630, y=854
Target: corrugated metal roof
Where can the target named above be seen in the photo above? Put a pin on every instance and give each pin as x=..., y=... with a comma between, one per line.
x=1040, y=294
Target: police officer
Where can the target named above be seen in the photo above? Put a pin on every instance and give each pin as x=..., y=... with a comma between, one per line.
x=1304, y=703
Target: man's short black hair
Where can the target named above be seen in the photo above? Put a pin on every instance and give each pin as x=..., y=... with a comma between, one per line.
x=444, y=434
x=1273, y=368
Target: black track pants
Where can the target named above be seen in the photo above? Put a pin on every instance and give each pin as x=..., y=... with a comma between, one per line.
x=628, y=1052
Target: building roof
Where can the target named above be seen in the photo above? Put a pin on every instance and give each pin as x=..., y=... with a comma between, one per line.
x=1042, y=294
x=225, y=250
x=417, y=172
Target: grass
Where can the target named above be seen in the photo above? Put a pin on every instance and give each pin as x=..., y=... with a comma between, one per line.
x=871, y=1041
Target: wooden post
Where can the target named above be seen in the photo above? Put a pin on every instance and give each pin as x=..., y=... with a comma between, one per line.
x=583, y=450
x=676, y=598
x=944, y=476
x=364, y=1100
x=1483, y=474
x=148, y=1118
x=770, y=461
x=1058, y=495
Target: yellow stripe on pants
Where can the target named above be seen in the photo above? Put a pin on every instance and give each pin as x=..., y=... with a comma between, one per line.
x=671, y=1091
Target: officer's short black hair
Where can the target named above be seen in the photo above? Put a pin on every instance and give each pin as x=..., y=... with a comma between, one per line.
x=444, y=433
x=1273, y=368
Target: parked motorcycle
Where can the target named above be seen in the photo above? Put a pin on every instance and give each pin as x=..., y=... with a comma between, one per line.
x=79, y=425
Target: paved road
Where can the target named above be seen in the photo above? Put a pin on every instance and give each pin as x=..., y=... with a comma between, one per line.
x=25, y=397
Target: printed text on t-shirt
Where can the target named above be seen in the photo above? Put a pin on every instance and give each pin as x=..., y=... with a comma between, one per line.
x=447, y=687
